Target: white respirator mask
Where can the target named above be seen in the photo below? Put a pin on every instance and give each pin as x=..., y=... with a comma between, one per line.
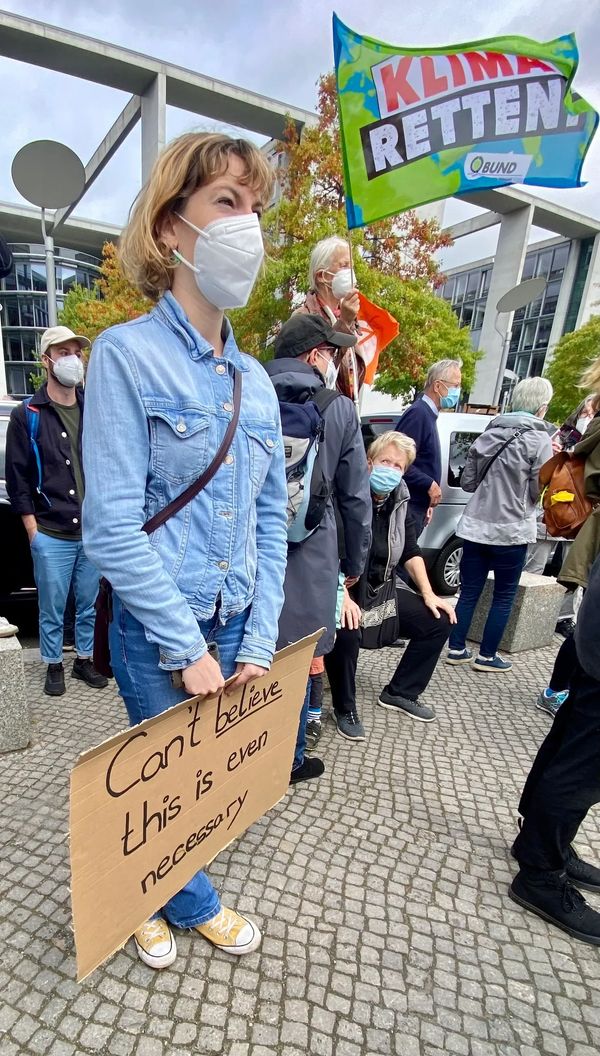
x=227, y=257
x=342, y=283
x=68, y=370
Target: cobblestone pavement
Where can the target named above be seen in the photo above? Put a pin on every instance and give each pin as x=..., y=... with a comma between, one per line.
x=381, y=892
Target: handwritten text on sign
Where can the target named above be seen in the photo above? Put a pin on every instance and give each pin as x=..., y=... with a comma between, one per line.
x=152, y=806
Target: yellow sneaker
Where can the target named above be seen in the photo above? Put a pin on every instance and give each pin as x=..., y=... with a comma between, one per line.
x=155, y=943
x=231, y=932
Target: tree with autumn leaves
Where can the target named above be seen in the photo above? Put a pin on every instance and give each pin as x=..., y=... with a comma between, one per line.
x=394, y=263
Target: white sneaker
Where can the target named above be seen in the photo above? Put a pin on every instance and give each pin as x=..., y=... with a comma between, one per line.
x=155, y=943
x=7, y=629
x=231, y=932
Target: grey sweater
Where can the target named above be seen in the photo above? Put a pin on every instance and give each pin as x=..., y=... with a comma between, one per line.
x=502, y=509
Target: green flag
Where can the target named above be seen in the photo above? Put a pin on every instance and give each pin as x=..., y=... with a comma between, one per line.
x=422, y=124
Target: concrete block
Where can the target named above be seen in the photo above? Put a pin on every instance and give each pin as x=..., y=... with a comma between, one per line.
x=533, y=616
x=14, y=707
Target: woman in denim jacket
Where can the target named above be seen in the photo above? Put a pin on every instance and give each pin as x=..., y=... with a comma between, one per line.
x=159, y=398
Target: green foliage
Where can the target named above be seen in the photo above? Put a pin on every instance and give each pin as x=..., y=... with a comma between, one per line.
x=573, y=353
x=112, y=300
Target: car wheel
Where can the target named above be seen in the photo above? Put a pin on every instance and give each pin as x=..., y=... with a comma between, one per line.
x=445, y=574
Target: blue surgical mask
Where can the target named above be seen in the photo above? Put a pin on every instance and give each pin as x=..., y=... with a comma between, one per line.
x=451, y=398
x=384, y=479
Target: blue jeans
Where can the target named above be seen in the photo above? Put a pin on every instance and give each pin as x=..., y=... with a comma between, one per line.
x=147, y=691
x=506, y=562
x=301, y=737
x=57, y=562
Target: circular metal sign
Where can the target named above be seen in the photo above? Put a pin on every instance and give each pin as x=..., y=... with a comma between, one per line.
x=520, y=295
x=48, y=174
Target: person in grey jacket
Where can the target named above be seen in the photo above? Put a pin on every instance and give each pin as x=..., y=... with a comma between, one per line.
x=563, y=784
x=306, y=350
x=499, y=521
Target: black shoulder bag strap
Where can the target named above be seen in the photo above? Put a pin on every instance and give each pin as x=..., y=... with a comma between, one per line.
x=499, y=452
x=198, y=485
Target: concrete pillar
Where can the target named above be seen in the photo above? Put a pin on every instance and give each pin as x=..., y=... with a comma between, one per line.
x=564, y=297
x=506, y=273
x=154, y=113
x=591, y=293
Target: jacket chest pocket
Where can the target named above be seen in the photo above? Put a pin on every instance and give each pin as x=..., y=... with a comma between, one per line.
x=262, y=439
x=179, y=441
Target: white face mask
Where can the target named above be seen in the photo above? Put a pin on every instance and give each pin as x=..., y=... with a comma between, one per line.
x=342, y=283
x=582, y=424
x=330, y=373
x=68, y=370
x=227, y=258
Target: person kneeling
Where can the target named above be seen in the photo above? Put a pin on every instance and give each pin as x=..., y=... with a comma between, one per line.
x=424, y=618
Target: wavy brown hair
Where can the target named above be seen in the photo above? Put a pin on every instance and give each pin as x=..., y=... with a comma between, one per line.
x=590, y=379
x=189, y=162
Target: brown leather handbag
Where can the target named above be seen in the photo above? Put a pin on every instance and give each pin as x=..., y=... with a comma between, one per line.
x=565, y=503
x=104, y=600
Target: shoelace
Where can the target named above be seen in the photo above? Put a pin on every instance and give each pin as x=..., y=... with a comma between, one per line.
x=224, y=923
x=572, y=899
x=153, y=929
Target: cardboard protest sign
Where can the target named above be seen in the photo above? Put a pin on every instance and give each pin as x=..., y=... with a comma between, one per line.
x=419, y=124
x=151, y=806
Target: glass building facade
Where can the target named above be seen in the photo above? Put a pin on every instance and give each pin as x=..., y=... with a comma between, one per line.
x=24, y=302
x=467, y=292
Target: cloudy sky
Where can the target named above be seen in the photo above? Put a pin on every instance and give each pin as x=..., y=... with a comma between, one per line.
x=275, y=47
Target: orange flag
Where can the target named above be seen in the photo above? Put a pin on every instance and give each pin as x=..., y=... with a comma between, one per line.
x=376, y=328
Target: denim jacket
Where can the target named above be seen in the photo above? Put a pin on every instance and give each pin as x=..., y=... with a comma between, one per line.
x=158, y=402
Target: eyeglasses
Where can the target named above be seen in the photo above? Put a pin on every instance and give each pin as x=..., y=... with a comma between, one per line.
x=334, y=353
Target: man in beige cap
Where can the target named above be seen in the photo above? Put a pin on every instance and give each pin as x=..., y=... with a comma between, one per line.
x=45, y=485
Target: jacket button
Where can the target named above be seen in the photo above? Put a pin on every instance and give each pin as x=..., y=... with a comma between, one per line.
x=228, y=460
x=67, y=461
x=270, y=443
x=63, y=434
x=227, y=407
x=224, y=565
x=220, y=369
x=181, y=427
x=71, y=491
x=76, y=520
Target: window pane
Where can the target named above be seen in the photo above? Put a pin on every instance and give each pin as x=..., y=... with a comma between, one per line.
x=40, y=307
x=23, y=275
x=529, y=335
x=68, y=278
x=515, y=336
x=537, y=364
x=551, y=296
x=457, y=456
x=10, y=282
x=543, y=333
x=27, y=312
x=528, y=266
x=522, y=366
x=544, y=262
x=10, y=311
x=460, y=282
x=559, y=262
x=467, y=315
x=485, y=280
x=473, y=280
x=38, y=275
x=478, y=317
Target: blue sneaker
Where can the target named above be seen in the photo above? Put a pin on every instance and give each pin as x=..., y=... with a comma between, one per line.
x=459, y=656
x=494, y=663
x=551, y=702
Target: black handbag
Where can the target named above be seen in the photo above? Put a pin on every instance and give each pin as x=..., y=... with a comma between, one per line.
x=380, y=623
x=104, y=600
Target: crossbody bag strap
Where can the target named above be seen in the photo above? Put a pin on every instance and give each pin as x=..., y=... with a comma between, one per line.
x=198, y=485
x=498, y=453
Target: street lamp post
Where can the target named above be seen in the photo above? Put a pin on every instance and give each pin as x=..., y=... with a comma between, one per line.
x=50, y=175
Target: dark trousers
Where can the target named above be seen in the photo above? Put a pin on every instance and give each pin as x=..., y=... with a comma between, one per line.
x=564, y=781
x=478, y=559
x=565, y=666
x=427, y=635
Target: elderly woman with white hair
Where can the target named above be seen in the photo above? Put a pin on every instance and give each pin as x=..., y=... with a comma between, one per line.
x=333, y=296
x=499, y=522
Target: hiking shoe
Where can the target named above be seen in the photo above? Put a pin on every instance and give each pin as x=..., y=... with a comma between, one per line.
x=313, y=734
x=54, y=685
x=350, y=726
x=553, y=898
x=86, y=672
x=7, y=629
x=310, y=769
x=550, y=701
x=155, y=943
x=459, y=656
x=231, y=932
x=494, y=663
x=584, y=874
x=414, y=708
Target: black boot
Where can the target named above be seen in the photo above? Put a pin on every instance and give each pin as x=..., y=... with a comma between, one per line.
x=310, y=769
x=584, y=874
x=553, y=898
x=85, y=670
x=54, y=685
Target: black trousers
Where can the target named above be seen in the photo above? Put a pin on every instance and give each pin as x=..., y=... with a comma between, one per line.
x=427, y=635
x=565, y=666
x=564, y=781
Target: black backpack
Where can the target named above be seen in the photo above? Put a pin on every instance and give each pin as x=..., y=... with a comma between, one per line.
x=303, y=428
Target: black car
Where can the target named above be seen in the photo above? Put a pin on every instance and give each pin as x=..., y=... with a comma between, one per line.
x=17, y=567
